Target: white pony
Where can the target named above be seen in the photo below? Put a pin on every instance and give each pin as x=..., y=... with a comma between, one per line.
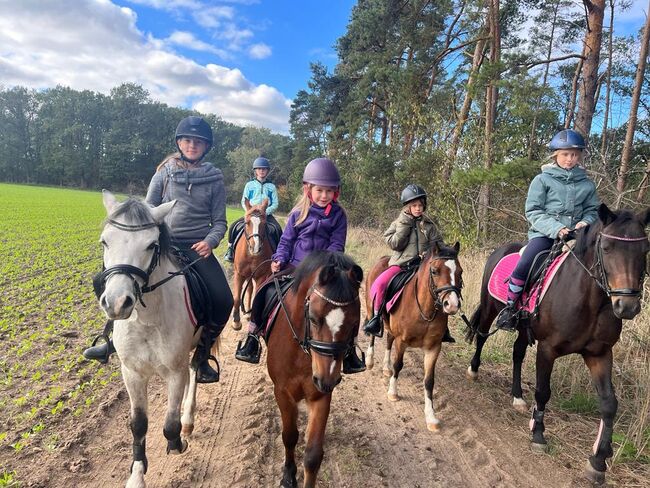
x=153, y=333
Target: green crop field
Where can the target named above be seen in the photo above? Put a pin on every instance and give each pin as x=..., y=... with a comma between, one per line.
x=49, y=251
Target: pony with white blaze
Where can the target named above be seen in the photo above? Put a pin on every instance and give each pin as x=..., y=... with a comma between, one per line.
x=153, y=329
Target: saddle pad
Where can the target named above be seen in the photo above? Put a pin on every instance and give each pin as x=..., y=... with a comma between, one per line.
x=272, y=302
x=396, y=286
x=498, y=284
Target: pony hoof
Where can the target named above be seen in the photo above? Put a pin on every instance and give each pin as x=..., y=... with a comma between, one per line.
x=538, y=448
x=236, y=325
x=520, y=405
x=393, y=397
x=471, y=375
x=593, y=475
x=187, y=430
x=369, y=364
x=387, y=373
x=434, y=427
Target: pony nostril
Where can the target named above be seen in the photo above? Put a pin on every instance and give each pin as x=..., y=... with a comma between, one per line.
x=128, y=303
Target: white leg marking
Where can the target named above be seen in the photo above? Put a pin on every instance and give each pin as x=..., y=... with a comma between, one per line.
x=136, y=480
x=334, y=320
x=370, y=357
x=472, y=375
x=387, y=365
x=392, y=387
x=429, y=413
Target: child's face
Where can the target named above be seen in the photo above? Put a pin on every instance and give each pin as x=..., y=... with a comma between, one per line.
x=322, y=195
x=568, y=158
x=192, y=147
x=261, y=173
x=416, y=208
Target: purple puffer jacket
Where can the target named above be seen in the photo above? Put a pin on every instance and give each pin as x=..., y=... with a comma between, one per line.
x=317, y=232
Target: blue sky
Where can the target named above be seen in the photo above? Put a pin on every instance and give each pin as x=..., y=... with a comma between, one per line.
x=243, y=60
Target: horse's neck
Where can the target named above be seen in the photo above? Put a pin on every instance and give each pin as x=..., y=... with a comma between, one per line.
x=421, y=282
x=167, y=293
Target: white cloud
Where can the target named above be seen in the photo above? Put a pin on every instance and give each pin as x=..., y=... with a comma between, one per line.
x=189, y=41
x=210, y=17
x=259, y=51
x=43, y=45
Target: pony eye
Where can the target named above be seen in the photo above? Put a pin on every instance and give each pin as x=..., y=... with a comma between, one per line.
x=152, y=246
x=103, y=243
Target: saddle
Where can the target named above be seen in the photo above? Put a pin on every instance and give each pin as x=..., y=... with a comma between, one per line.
x=197, y=289
x=269, y=293
x=397, y=284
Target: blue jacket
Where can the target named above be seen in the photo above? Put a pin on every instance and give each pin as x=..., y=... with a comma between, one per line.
x=560, y=198
x=256, y=191
x=318, y=232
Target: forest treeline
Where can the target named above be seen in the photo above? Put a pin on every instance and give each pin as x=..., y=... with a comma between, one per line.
x=460, y=96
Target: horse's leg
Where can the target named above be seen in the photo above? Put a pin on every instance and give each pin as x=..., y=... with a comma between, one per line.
x=544, y=368
x=237, y=285
x=397, y=367
x=483, y=320
x=370, y=353
x=600, y=368
x=518, y=355
x=176, y=382
x=430, y=358
x=314, y=438
x=388, y=366
x=189, y=404
x=289, y=412
x=136, y=386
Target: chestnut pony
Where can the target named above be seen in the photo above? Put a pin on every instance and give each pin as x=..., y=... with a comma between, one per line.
x=582, y=313
x=313, y=330
x=419, y=318
x=252, y=261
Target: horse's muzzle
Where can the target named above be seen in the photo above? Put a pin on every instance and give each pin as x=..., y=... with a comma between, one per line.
x=325, y=386
x=451, y=303
x=626, y=308
x=117, y=307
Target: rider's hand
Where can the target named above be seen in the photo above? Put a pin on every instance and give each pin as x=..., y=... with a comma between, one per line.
x=564, y=231
x=581, y=224
x=202, y=248
x=275, y=266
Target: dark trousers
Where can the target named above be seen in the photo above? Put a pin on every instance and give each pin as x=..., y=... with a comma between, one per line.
x=220, y=294
x=533, y=248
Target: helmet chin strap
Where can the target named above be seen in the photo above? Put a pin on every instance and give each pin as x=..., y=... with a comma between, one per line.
x=307, y=189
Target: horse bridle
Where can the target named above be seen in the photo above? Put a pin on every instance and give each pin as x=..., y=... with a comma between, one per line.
x=603, y=281
x=259, y=235
x=436, y=293
x=332, y=349
x=99, y=281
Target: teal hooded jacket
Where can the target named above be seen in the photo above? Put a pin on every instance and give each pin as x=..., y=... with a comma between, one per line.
x=560, y=198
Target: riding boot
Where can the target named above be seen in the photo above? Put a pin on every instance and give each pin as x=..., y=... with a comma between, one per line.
x=353, y=363
x=374, y=326
x=205, y=373
x=101, y=352
x=251, y=351
x=506, y=319
x=229, y=256
x=447, y=337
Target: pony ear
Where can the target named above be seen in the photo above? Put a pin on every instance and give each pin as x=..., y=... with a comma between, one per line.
x=110, y=202
x=356, y=274
x=158, y=213
x=326, y=274
x=247, y=204
x=644, y=216
x=605, y=214
x=264, y=204
x=435, y=248
x=457, y=247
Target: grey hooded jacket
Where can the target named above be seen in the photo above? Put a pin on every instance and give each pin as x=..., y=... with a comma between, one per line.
x=559, y=198
x=200, y=210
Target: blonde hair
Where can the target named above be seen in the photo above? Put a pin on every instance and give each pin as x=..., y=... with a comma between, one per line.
x=169, y=157
x=553, y=156
x=303, y=204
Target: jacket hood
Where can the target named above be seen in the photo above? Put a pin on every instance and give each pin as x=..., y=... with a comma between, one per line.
x=577, y=173
x=203, y=173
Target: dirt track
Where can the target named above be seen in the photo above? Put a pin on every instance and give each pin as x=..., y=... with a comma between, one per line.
x=370, y=440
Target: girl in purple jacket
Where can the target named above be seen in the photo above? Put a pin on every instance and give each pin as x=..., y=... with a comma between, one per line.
x=316, y=223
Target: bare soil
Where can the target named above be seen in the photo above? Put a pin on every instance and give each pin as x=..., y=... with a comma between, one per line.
x=371, y=441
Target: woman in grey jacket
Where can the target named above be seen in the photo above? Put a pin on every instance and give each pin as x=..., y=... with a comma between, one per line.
x=560, y=199
x=197, y=223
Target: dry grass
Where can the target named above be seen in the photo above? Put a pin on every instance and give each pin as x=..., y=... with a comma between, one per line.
x=574, y=399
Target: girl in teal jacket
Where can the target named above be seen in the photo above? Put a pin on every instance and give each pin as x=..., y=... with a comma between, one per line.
x=560, y=199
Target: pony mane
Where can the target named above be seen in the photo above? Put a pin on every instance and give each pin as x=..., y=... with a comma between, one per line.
x=136, y=212
x=340, y=288
x=586, y=237
x=443, y=251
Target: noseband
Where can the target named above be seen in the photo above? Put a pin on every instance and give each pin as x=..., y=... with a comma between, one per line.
x=436, y=292
x=604, y=282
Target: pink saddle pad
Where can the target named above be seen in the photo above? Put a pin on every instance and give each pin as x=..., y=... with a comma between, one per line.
x=393, y=301
x=498, y=284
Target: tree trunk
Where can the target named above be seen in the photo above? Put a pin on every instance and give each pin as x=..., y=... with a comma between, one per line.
x=593, y=41
x=634, y=107
x=477, y=60
x=490, y=110
x=610, y=55
x=574, y=91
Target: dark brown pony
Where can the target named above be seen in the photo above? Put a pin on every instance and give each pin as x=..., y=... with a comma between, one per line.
x=420, y=317
x=312, y=333
x=252, y=258
x=581, y=313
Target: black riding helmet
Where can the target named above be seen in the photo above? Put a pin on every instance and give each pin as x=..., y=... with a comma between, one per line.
x=413, y=192
x=194, y=126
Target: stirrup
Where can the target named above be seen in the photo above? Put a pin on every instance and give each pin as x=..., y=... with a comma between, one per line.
x=206, y=364
x=352, y=363
x=374, y=326
x=93, y=352
x=249, y=356
x=507, y=319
